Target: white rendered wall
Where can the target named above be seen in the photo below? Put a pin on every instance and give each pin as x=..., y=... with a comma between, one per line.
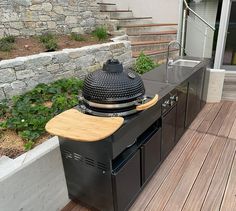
x=162, y=11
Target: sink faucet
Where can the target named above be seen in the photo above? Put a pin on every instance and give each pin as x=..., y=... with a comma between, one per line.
x=168, y=61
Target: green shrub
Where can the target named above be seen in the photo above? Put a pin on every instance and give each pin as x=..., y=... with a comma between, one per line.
x=101, y=33
x=31, y=111
x=144, y=64
x=49, y=41
x=6, y=43
x=76, y=37
x=51, y=45
x=3, y=108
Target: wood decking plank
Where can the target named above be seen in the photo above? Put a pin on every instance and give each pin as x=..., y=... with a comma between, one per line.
x=69, y=206
x=165, y=191
x=232, y=134
x=217, y=123
x=199, y=190
x=201, y=116
x=184, y=186
x=206, y=123
x=216, y=189
x=149, y=191
x=228, y=121
x=229, y=200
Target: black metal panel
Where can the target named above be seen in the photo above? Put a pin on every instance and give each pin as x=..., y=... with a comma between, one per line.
x=182, y=91
x=151, y=155
x=127, y=182
x=168, y=132
x=131, y=130
x=88, y=172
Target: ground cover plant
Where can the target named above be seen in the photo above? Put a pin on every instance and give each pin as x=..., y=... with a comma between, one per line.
x=28, y=113
x=144, y=64
x=7, y=43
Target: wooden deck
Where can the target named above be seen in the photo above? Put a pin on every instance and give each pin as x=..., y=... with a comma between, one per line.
x=200, y=172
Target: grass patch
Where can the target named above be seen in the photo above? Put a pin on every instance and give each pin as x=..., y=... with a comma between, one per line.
x=77, y=37
x=49, y=41
x=144, y=64
x=101, y=33
x=30, y=112
x=7, y=43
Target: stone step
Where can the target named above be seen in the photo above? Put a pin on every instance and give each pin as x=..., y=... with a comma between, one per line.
x=114, y=14
x=107, y=6
x=149, y=45
x=149, y=28
x=134, y=20
x=157, y=36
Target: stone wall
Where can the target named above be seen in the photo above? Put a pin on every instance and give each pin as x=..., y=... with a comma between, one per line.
x=23, y=73
x=32, y=17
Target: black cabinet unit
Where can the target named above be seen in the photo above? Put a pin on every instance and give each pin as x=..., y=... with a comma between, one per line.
x=151, y=155
x=168, y=132
x=127, y=182
x=182, y=91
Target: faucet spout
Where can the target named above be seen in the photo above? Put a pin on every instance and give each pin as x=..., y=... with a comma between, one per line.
x=168, y=61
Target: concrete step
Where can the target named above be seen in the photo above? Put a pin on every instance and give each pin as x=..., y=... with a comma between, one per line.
x=157, y=36
x=114, y=14
x=149, y=28
x=107, y=6
x=157, y=56
x=149, y=45
x=229, y=88
x=134, y=20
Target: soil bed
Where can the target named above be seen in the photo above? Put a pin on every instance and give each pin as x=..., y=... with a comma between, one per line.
x=12, y=145
x=32, y=45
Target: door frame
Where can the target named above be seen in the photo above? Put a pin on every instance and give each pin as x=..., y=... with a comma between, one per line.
x=222, y=35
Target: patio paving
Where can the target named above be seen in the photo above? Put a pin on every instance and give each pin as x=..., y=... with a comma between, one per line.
x=200, y=172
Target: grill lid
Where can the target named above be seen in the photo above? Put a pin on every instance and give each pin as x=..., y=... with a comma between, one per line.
x=113, y=84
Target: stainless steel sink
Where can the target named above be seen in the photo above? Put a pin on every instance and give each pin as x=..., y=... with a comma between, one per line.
x=185, y=63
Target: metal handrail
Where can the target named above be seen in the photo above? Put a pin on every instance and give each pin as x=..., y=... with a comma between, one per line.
x=203, y=20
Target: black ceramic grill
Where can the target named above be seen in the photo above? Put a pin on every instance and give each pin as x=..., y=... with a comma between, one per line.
x=113, y=84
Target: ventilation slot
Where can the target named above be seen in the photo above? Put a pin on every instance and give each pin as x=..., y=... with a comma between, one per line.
x=67, y=154
x=89, y=161
x=101, y=166
x=78, y=157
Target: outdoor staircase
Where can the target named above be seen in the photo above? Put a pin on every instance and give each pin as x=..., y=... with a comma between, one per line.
x=229, y=89
x=150, y=38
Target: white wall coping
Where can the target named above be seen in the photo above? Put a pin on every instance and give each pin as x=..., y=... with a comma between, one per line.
x=27, y=158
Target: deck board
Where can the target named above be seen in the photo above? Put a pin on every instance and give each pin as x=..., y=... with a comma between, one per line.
x=200, y=172
x=216, y=189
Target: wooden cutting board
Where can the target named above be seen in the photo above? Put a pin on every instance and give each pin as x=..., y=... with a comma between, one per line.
x=74, y=125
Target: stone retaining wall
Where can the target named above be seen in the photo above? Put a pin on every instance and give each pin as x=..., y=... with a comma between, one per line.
x=23, y=73
x=32, y=17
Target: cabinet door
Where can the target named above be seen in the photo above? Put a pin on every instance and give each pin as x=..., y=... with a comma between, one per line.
x=151, y=155
x=182, y=91
x=168, y=132
x=127, y=182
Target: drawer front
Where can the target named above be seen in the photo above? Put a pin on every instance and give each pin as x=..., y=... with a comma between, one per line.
x=127, y=183
x=151, y=155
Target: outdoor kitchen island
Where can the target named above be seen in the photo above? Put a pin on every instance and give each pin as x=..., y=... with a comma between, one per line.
x=109, y=174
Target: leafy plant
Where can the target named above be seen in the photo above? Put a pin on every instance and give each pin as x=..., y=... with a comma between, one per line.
x=29, y=145
x=101, y=33
x=6, y=43
x=76, y=37
x=144, y=64
x=3, y=108
x=49, y=41
x=30, y=113
x=51, y=45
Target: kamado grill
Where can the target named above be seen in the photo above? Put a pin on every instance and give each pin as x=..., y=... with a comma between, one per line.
x=100, y=135
x=114, y=91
